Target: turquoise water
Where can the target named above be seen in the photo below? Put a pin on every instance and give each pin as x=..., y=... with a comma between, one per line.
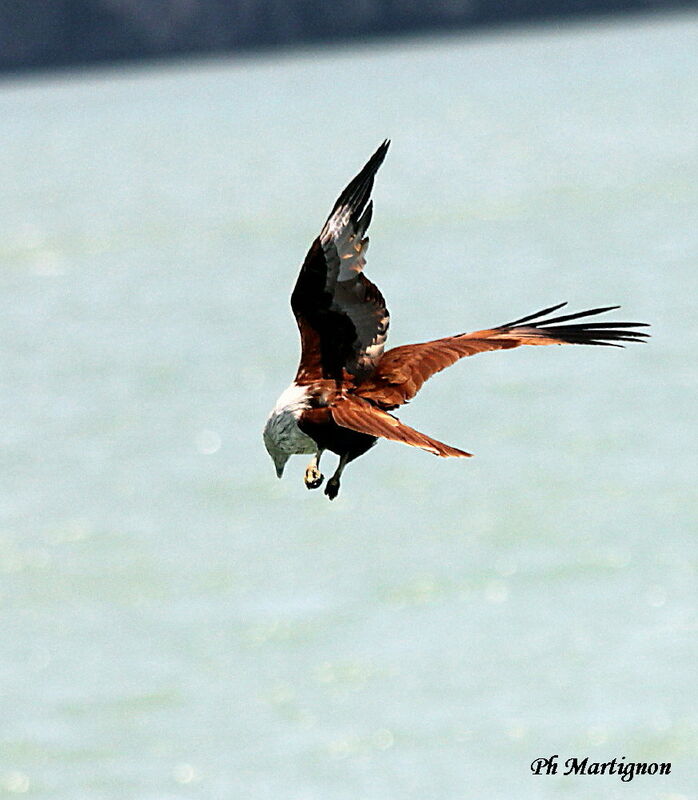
x=178, y=624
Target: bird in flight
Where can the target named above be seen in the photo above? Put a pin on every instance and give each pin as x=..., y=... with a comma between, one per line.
x=346, y=383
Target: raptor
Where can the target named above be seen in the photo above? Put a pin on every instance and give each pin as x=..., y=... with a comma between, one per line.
x=347, y=383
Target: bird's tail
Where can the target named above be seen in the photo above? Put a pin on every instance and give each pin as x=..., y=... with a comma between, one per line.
x=359, y=415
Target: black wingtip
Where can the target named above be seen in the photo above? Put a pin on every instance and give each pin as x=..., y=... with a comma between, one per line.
x=359, y=189
x=372, y=165
x=536, y=315
x=607, y=334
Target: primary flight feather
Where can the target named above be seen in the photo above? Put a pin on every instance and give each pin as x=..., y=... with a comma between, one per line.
x=346, y=384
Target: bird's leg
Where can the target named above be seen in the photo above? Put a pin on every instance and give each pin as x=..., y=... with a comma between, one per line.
x=332, y=488
x=313, y=476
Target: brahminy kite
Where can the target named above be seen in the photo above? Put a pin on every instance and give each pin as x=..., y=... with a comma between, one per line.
x=346, y=384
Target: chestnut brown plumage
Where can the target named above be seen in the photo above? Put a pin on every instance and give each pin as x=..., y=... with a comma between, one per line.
x=346, y=384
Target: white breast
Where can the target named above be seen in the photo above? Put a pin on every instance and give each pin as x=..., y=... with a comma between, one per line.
x=281, y=432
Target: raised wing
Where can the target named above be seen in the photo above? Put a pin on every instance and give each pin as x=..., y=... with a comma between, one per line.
x=360, y=415
x=402, y=371
x=341, y=315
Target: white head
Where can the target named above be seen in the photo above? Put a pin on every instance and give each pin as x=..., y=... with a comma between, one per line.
x=282, y=436
x=274, y=444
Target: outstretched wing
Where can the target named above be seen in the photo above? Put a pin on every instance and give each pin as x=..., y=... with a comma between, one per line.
x=341, y=315
x=402, y=370
x=360, y=415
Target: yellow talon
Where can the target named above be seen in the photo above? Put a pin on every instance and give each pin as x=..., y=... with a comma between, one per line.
x=313, y=477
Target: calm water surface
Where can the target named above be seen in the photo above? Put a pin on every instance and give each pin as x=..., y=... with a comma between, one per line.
x=176, y=623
